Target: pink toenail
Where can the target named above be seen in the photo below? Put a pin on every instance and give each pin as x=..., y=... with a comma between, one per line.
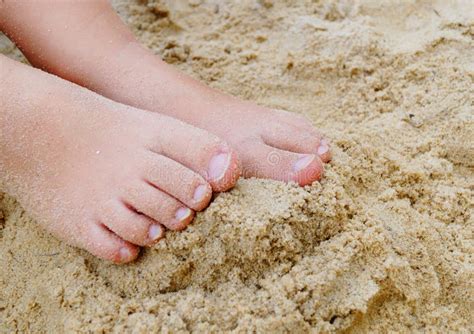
x=303, y=162
x=323, y=146
x=125, y=254
x=183, y=214
x=218, y=166
x=200, y=193
x=155, y=232
x=323, y=149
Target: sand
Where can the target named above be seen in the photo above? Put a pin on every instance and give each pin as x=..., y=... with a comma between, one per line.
x=383, y=244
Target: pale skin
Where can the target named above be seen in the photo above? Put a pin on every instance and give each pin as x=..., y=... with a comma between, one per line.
x=110, y=168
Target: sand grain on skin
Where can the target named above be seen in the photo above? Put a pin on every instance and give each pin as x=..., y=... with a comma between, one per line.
x=384, y=243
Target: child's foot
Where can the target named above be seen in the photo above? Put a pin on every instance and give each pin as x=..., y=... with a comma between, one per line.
x=98, y=174
x=98, y=51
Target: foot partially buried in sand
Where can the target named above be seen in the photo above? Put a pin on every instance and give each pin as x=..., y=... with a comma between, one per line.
x=98, y=174
x=108, y=177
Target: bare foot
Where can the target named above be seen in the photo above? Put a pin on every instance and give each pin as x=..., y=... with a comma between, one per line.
x=98, y=174
x=97, y=51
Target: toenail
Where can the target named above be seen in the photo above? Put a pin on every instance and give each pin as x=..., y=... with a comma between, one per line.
x=323, y=146
x=303, y=162
x=200, y=193
x=218, y=166
x=125, y=254
x=323, y=149
x=155, y=232
x=183, y=214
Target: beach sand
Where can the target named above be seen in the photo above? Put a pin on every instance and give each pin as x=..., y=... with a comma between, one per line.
x=383, y=244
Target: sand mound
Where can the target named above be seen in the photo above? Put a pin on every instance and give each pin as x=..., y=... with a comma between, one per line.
x=384, y=243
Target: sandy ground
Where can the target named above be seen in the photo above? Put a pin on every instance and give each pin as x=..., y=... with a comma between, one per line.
x=384, y=243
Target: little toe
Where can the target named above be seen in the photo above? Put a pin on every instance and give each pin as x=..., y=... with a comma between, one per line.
x=103, y=243
x=158, y=205
x=122, y=219
x=273, y=163
x=178, y=181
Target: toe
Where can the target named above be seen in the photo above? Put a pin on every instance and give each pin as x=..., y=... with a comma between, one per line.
x=324, y=151
x=177, y=180
x=270, y=162
x=290, y=138
x=122, y=219
x=103, y=243
x=297, y=136
x=200, y=151
x=158, y=205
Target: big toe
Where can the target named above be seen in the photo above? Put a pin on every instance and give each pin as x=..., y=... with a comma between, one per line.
x=262, y=160
x=200, y=151
x=297, y=136
x=324, y=151
x=223, y=169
